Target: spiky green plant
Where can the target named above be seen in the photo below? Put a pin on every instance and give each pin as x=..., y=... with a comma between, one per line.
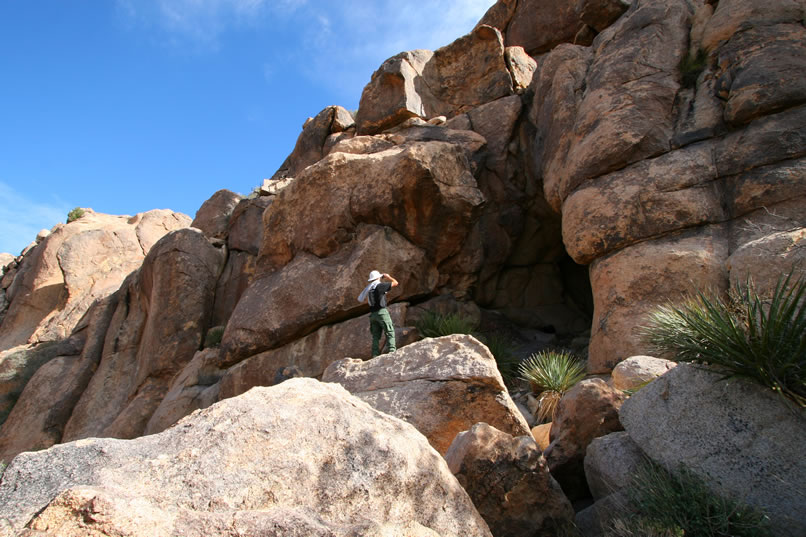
x=745, y=335
x=676, y=504
x=433, y=324
x=551, y=374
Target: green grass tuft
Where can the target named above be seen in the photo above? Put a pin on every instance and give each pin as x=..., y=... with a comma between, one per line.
x=691, y=66
x=551, y=374
x=433, y=324
x=747, y=336
x=680, y=504
x=213, y=337
x=503, y=350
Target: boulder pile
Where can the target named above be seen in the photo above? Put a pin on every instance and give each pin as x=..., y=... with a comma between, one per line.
x=558, y=171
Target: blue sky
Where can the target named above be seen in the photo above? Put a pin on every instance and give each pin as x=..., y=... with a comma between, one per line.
x=130, y=105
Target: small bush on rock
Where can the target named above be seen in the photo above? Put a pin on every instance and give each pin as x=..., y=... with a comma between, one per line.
x=213, y=337
x=747, y=336
x=680, y=504
x=691, y=66
x=75, y=214
x=551, y=374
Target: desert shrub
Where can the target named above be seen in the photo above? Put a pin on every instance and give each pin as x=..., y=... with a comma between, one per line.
x=744, y=335
x=213, y=337
x=680, y=504
x=502, y=349
x=551, y=374
x=691, y=66
x=75, y=214
x=433, y=324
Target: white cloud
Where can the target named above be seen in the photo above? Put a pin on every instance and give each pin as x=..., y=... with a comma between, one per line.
x=338, y=44
x=364, y=34
x=22, y=218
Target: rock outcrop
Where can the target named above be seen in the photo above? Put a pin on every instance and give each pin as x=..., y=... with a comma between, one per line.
x=744, y=440
x=564, y=167
x=302, y=458
x=442, y=386
x=161, y=314
x=407, y=209
x=75, y=265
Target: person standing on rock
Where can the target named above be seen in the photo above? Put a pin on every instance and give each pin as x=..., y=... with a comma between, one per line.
x=379, y=319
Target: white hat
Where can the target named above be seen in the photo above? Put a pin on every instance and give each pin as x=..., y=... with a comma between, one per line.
x=374, y=275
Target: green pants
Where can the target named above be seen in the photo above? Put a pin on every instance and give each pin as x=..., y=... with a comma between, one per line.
x=380, y=321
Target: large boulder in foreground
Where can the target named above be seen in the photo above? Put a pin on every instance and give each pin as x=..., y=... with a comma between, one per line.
x=509, y=482
x=745, y=441
x=301, y=458
x=442, y=386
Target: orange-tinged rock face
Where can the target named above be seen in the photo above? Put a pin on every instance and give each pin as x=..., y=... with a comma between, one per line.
x=75, y=265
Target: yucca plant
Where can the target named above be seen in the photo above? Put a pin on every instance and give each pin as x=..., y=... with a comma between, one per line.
x=551, y=374
x=745, y=335
x=433, y=324
x=676, y=504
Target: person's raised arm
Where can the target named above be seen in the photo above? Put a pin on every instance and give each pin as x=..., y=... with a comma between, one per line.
x=392, y=280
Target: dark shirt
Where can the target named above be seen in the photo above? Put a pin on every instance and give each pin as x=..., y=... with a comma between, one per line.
x=377, y=297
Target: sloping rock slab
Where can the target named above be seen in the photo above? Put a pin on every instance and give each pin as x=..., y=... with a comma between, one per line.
x=745, y=441
x=442, y=386
x=264, y=463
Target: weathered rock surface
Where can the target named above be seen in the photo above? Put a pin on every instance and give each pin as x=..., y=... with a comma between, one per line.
x=628, y=284
x=261, y=464
x=625, y=112
x=312, y=354
x=202, y=382
x=414, y=189
x=744, y=440
x=541, y=433
x=637, y=371
x=195, y=387
x=297, y=305
x=75, y=265
x=163, y=311
x=309, y=147
x=214, y=215
x=509, y=483
x=19, y=364
x=465, y=74
x=595, y=520
x=442, y=386
x=538, y=26
x=586, y=411
x=406, y=210
x=610, y=463
x=245, y=232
